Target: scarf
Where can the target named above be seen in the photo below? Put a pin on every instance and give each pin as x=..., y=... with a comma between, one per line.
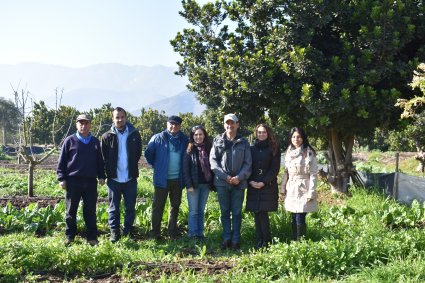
x=261, y=144
x=292, y=154
x=84, y=140
x=174, y=140
x=204, y=161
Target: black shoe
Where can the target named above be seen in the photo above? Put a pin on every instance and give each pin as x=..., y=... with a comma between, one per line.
x=115, y=236
x=200, y=238
x=259, y=244
x=236, y=246
x=225, y=244
x=174, y=236
x=301, y=231
x=154, y=236
x=127, y=232
x=68, y=241
x=93, y=242
x=294, y=232
x=266, y=244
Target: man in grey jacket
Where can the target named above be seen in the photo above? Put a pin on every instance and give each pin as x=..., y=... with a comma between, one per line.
x=230, y=160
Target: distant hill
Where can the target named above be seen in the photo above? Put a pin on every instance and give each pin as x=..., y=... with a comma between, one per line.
x=183, y=102
x=131, y=87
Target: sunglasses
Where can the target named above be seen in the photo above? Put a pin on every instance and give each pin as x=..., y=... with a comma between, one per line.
x=197, y=127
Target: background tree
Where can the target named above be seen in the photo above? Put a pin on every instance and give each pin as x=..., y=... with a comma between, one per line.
x=190, y=120
x=335, y=68
x=64, y=123
x=414, y=109
x=149, y=123
x=9, y=120
x=25, y=143
x=41, y=120
x=102, y=119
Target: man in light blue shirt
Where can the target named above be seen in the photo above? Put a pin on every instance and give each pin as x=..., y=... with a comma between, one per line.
x=121, y=150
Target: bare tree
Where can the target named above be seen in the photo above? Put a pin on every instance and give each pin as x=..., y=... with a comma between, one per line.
x=25, y=147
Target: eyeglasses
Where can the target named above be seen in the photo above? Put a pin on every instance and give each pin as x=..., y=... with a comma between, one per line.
x=197, y=127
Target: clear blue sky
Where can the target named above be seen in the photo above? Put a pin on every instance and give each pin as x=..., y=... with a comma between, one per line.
x=79, y=33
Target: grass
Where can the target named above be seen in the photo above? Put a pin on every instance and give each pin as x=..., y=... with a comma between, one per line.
x=345, y=243
x=350, y=239
x=385, y=162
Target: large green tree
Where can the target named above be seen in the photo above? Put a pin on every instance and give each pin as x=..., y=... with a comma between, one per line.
x=414, y=109
x=9, y=120
x=333, y=67
x=149, y=123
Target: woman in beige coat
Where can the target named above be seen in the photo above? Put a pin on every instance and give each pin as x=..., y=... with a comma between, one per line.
x=299, y=182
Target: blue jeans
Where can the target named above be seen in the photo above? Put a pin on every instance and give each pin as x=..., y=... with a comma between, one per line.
x=298, y=218
x=197, y=202
x=129, y=192
x=230, y=199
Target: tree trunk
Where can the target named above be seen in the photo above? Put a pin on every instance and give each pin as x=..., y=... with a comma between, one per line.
x=420, y=156
x=340, y=161
x=4, y=135
x=31, y=166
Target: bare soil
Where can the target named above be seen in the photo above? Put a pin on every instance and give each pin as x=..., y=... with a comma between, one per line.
x=386, y=158
x=152, y=271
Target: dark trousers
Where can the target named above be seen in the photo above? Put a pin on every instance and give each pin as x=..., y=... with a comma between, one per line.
x=298, y=218
x=174, y=191
x=129, y=192
x=299, y=226
x=262, y=227
x=76, y=189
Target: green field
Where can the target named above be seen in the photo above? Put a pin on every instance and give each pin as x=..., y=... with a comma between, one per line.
x=363, y=238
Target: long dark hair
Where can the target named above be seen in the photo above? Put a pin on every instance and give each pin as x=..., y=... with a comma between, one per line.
x=303, y=135
x=270, y=137
x=207, y=141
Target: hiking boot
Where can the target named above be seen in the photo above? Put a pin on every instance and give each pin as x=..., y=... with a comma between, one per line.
x=301, y=231
x=68, y=241
x=155, y=236
x=115, y=236
x=93, y=242
x=128, y=232
x=236, y=246
x=225, y=244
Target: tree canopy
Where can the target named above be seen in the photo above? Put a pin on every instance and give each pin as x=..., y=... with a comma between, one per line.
x=9, y=119
x=333, y=66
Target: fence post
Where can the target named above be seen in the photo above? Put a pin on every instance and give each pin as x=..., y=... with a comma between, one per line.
x=395, y=191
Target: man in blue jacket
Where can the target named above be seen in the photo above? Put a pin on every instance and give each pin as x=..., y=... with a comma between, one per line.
x=121, y=150
x=165, y=153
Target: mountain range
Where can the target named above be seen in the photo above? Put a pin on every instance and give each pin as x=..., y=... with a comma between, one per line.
x=131, y=87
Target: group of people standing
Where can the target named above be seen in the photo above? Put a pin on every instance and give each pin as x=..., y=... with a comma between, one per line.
x=228, y=166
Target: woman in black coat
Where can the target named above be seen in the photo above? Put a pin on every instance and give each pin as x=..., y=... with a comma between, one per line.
x=198, y=179
x=263, y=193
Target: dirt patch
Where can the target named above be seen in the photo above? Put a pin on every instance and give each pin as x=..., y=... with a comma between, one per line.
x=23, y=201
x=386, y=158
x=151, y=271
x=332, y=199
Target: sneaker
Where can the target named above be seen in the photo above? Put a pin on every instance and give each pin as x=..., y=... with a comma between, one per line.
x=115, y=236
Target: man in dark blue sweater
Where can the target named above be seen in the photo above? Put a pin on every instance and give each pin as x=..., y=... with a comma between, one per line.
x=80, y=163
